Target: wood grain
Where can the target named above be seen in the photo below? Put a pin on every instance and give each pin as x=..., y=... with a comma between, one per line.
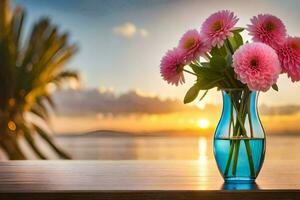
x=182, y=180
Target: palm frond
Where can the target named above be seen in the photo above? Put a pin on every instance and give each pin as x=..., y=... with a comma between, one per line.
x=59, y=78
x=51, y=143
x=28, y=66
x=5, y=15
x=66, y=75
x=56, y=64
x=11, y=147
x=40, y=111
x=17, y=25
x=50, y=101
x=31, y=141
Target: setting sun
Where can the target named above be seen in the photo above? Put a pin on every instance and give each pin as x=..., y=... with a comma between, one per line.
x=203, y=123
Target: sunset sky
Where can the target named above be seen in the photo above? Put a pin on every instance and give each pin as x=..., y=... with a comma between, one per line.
x=120, y=46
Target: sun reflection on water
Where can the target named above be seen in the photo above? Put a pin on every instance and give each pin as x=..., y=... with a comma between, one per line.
x=202, y=161
x=202, y=151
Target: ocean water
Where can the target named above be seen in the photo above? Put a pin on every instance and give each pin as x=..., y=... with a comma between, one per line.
x=165, y=148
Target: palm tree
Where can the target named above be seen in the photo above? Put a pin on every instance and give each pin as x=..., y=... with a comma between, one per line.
x=27, y=68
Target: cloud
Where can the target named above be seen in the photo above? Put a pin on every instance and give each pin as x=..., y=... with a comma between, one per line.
x=129, y=30
x=279, y=110
x=144, y=32
x=93, y=101
x=104, y=100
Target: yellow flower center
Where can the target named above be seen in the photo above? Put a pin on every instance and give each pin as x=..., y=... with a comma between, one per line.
x=269, y=26
x=217, y=26
x=189, y=43
x=179, y=68
x=254, y=63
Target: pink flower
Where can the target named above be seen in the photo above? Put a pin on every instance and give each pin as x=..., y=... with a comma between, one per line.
x=218, y=27
x=267, y=29
x=289, y=56
x=257, y=65
x=192, y=45
x=171, y=67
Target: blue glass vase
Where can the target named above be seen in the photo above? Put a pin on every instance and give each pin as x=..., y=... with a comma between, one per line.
x=239, y=140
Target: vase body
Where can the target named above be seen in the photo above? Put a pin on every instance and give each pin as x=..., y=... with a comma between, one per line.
x=239, y=140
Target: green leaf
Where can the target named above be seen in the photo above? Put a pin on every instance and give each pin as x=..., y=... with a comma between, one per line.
x=238, y=29
x=191, y=94
x=232, y=42
x=205, y=64
x=229, y=60
x=209, y=74
x=195, y=68
x=215, y=51
x=275, y=87
x=206, y=84
x=204, y=94
x=236, y=41
x=218, y=63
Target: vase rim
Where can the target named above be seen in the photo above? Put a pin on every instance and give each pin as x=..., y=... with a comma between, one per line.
x=236, y=89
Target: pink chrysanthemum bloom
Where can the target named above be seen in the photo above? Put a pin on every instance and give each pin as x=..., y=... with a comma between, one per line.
x=289, y=57
x=171, y=67
x=192, y=45
x=267, y=29
x=257, y=65
x=218, y=27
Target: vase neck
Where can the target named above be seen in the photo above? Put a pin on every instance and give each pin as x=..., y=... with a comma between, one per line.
x=240, y=100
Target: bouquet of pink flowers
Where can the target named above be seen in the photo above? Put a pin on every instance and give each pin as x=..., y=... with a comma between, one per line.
x=219, y=58
x=229, y=63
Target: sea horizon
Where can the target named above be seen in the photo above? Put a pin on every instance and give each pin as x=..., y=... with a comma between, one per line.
x=163, y=147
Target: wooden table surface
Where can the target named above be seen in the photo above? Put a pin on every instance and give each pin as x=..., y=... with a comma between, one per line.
x=182, y=180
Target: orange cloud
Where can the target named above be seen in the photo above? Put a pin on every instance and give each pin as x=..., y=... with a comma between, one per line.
x=129, y=30
x=80, y=111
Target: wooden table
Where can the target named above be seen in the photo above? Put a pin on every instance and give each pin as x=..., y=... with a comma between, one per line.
x=155, y=180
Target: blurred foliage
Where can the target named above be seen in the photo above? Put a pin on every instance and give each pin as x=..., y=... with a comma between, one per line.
x=27, y=67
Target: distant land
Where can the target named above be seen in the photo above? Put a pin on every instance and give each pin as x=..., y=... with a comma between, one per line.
x=171, y=133
x=113, y=133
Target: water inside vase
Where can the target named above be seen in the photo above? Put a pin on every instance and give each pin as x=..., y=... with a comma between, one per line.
x=224, y=147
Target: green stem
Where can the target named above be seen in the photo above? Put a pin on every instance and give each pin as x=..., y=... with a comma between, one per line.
x=231, y=118
x=233, y=143
x=240, y=117
x=239, y=130
x=187, y=71
x=230, y=79
x=249, y=119
x=250, y=158
x=229, y=46
x=236, y=157
x=229, y=158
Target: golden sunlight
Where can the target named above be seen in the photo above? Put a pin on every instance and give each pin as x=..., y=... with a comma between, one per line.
x=201, y=105
x=203, y=123
x=74, y=84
